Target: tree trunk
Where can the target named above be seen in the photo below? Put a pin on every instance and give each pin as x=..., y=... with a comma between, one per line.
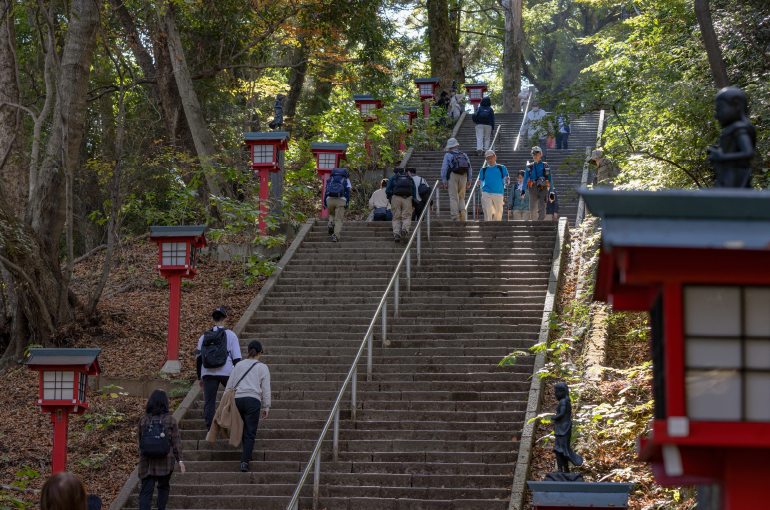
x=204, y=145
x=455, y=18
x=440, y=41
x=13, y=140
x=714, y=52
x=512, y=55
x=296, y=83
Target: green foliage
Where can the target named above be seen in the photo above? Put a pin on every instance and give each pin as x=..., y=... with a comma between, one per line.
x=96, y=460
x=97, y=421
x=110, y=391
x=25, y=476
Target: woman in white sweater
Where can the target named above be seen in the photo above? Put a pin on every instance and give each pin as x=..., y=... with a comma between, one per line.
x=251, y=381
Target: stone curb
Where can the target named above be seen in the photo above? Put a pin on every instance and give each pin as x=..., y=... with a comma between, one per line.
x=527, y=439
x=459, y=124
x=405, y=161
x=194, y=393
x=581, y=212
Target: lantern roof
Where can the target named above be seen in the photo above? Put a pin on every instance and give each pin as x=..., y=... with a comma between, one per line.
x=426, y=80
x=363, y=97
x=178, y=231
x=269, y=135
x=408, y=109
x=63, y=356
x=328, y=146
x=480, y=84
x=683, y=219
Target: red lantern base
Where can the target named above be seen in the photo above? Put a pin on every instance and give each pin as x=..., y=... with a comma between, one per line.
x=60, y=420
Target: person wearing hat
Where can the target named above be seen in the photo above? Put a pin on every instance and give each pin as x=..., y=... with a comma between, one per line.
x=605, y=171
x=251, y=381
x=457, y=176
x=493, y=179
x=539, y=180
x=218, y=352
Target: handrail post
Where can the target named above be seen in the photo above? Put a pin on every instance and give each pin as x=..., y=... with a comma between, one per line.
x=336, y=445
x=408, y=269
x=419, y=248
x=316, y=480
x=384, y=315
x=369, y=356
x=395, y=294
x=353, y=394
x=428, y=206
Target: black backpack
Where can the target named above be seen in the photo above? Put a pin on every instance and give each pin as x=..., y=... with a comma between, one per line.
x=214, y=348
x=460, y=163
x=483, y=115
x=423, y=190
x=155, y=441
x=402, y=185
x=337, y=185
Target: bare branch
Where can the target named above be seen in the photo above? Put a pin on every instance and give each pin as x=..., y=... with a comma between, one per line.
x=212, y=72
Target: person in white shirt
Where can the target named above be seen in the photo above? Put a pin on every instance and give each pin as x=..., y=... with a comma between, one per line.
x=536, y=130
x=251, y=381
x=210, y=373
x=380, y=203
x=524, y=98
x=456, y=106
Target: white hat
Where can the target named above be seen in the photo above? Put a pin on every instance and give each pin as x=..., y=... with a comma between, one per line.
x=535, y=149
x=451, y=144
x=490, y=152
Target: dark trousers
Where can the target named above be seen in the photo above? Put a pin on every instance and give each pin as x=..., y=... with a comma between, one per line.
x=148, y=486
x=417, y=210
x=210, y=388
x=249, y=408
x=561, y=139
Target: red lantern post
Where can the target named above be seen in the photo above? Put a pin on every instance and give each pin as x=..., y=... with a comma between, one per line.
x=702, y=273
x=368, y=107
x=265, y=158
x=177, y=254
x=327, y=158
x=427, y=88
x=63, y=388
x=407, y=115
x=476, y=93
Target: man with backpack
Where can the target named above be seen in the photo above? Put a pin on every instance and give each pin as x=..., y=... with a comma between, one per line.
x=484, y=118
x=534, y=127
x=457, y=175
x=218, y=352
x=539, y=180
x=400, y=191
x=336, y=198
x=493, y=179
x=423, y=192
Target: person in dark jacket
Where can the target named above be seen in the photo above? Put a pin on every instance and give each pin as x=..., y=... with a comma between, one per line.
x=443, y=100
x=552, y=206
x=484, y=118
x=337, y=204
x=94, y=502
x=400, y=191
x=157, y=470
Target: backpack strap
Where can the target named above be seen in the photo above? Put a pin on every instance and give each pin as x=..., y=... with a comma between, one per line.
x=244, y=375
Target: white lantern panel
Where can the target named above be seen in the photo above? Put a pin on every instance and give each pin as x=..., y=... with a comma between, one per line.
x=712, y=311
x=173, y=254
x=758, y=396
x=713, y=353
x=475, y=94
x=327, y=160
x=263, y=154
x=757, y=354
x=426, y=89
x=757, y=311
x=714, y=395
x=405, y=117
x=367, y=107
x=58, y=385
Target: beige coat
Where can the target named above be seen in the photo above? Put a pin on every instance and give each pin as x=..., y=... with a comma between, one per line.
x=227, y=417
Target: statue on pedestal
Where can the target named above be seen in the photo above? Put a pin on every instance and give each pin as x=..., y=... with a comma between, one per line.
x=277, y=121
x=732, y=157
x=563, y=430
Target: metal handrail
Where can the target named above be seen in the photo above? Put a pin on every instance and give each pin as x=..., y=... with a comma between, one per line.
x=473, y=190
x=382, y=310
x=523, y=120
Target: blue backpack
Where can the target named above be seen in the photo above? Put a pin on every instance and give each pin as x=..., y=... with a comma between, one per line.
x=337, y=185
x=155, y=441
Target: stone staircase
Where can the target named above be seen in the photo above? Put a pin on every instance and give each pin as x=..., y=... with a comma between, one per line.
x=439, y=424
x=566, y=165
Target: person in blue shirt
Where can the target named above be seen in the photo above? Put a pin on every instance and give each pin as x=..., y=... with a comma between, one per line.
x=539, y=180
x=493, y=179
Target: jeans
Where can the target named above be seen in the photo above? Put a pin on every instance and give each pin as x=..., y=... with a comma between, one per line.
x=418, y=210
x=249, y=408
x=148, y=486
x=210, y=388
x=562, y=139
x=483, y=137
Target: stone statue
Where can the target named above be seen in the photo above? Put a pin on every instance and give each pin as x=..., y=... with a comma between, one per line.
x=563, y=430
x=732, y=157
x=277, y=121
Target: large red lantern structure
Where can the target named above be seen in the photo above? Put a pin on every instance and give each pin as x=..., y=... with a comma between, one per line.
x=368, y=107
x=177, y=256
x=476, y=93
x=427, y=88
x=63, y=389
x=702, y=273
x=265, y=151
x=327, y=158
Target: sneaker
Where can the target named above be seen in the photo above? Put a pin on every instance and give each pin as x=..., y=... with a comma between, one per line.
x=331, y=228
x=335, y=239
x=244, y=467
x=404, y=233
x=479, y=153
x=397, y=238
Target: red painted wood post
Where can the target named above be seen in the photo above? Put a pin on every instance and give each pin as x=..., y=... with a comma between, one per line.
x=174, y=307
x=60, y=420
x=324, y=178
x=264, y=190
x=426, y=108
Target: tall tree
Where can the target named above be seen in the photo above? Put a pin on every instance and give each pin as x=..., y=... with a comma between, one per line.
x=713, y=51
x=512, y=55
x=440, y=41
x=455, y=21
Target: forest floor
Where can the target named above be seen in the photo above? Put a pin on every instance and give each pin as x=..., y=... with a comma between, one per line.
x=130, y=327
